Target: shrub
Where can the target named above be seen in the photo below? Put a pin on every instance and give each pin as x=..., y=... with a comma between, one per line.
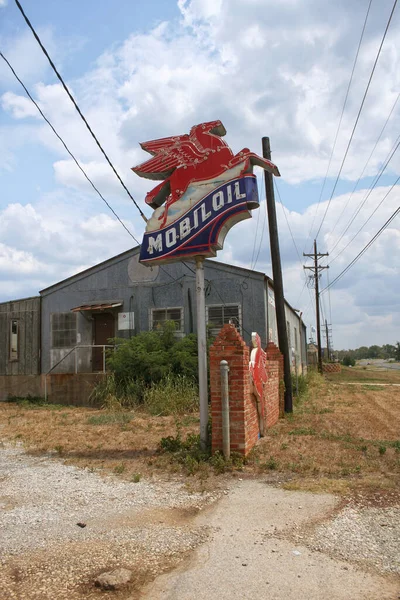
x=348, y=361
x=151, y=356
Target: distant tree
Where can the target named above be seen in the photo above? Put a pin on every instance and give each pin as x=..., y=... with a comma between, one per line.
x=374, y=352
x=388, y=351
x=348, y=361
x=397, y=355
x=362, y=352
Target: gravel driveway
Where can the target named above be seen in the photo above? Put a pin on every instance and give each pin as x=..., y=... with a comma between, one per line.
x=258, y=541
x=45, y=554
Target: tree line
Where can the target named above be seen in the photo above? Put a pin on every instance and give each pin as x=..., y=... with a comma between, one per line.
x=384, y=352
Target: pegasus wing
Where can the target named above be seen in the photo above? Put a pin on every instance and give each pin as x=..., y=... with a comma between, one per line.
x=168, y=154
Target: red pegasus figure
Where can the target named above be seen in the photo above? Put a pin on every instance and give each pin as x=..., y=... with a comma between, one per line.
x=186, y=159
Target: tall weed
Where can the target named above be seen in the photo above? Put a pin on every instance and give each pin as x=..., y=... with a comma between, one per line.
x=173, y=395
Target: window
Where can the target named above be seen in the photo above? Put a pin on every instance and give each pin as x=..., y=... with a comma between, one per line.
x=296, y=347
x=160, y=315
x=14, y=327
x=217, y=316
x=63, y=330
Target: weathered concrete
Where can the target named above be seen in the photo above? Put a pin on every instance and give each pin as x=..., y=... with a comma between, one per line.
x=250, y=555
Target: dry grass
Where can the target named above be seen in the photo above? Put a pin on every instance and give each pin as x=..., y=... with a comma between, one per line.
x=340, y=438
x=124, y=443
x=365, y=374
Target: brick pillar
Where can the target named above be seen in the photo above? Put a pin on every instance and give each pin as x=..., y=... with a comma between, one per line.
x=274, y=354
x=230, y=346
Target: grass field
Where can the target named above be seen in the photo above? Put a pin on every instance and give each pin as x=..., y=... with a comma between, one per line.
x=366, y=374
x=340, y=438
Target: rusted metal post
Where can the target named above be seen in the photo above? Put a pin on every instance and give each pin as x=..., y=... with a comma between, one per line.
x=226, y=440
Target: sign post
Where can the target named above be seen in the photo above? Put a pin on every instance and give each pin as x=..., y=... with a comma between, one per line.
x=202, y=351
x=205, y=190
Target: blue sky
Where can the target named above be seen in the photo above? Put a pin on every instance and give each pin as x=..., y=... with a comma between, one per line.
x=144, y=70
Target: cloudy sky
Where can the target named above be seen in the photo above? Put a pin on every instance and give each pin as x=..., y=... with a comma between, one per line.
x=143, y=70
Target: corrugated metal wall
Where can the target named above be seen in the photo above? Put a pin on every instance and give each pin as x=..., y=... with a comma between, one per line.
x=27, y=314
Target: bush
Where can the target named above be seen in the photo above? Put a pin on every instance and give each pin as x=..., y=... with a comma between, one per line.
x=348, y=361
x=151, y=356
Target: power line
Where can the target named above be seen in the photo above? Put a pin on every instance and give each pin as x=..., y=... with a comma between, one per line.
x=358, y=115
x=340, y=121
x=77, y=107
x=365, y=166
x=367, y=195
x=287, y=222
x=364, y=224
x=359, y=255
x=77, y=162
x=293, y=240
x=66, y=147
x=253, y=266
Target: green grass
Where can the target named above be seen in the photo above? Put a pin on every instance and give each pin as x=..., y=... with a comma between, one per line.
x=303, y=431
x=110, y=418
x=362, y=375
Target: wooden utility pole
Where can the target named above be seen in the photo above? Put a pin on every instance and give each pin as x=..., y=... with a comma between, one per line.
x=277, y=277
x=316, y=268
x=327, y=340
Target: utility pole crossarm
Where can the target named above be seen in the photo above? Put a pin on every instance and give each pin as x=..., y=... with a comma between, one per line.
x=316, y=268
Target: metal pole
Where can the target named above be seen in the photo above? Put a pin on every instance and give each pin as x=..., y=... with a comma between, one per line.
x=317, y=307
x=104, y=359
x=226, y=440
x=277, y=277
x=202, y=351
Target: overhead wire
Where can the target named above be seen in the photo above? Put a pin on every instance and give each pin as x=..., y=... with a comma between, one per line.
x=77, y=162
x=295, y=245
x=365, y=166
x=66, y=147
x=369, y=218
x=340, y=121
x=255, y=237
x=261, y=196
x=77, y=107
x=358, y=115
x=366, y=247
x=367, y=195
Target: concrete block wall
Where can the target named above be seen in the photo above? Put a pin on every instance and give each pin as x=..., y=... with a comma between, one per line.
x=244, y=423
x=68, y=389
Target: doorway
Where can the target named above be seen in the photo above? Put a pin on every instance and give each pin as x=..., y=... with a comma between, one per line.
x=104, y=329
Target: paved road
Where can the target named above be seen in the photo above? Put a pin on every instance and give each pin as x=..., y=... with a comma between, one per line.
x=251, y=554
x=379, y=363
